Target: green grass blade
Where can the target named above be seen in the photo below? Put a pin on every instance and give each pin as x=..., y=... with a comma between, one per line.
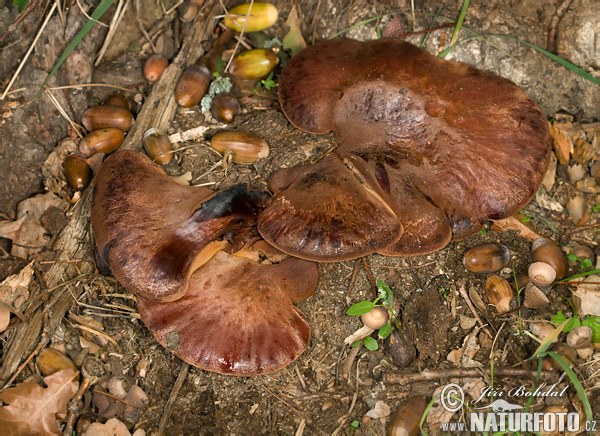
x=576, y=276
x=548, y=341
x=437, y=13
x=362, y=23
x=96, y=15
x=576, y=384
x=461, y=18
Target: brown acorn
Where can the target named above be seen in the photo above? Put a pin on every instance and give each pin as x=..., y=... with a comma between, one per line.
x=245, y=147
x=157, y=146
x=225, y=107
x=77, y=172
x=548, y=251
x=119, y=100
x=253, y=64
x=101, y=117
x=486, y=258
x=154, y=67
x=407, y=419
x=499, y=293
x=261, y=17
x=101, y=141
x=192, y=85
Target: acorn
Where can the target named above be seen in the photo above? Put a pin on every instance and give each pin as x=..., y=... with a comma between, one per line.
x=157, y=146
x=245, y=147
x=535, y=297
x=548, y=251
x=77, y=172
x=50, y=361
x=101, y=117
x=261, y=17
x=101, y=141
x=154, y=67
x=253, y=64
x=192, y=85
x=499, y=293
x=188, y=11
x=486, y=258
x=225, y=107
x=119, y=100
x=407, y=419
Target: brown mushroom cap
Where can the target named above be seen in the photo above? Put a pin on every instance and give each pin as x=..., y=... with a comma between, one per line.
x=153, y=233
x=451, y=146
x=169, y=244
x=237, y=317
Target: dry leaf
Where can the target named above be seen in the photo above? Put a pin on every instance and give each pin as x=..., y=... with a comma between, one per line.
x=14, y=290
x=293, y=40
x=33, y=409
x=515, y=222
x=562, y=145
x=550, y=176
x=26, y=230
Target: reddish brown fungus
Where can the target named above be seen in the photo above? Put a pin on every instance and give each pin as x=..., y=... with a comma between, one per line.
x=429, y=150
x=193, y=258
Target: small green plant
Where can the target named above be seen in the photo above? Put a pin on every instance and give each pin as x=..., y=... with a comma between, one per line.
x=482, y=232
x=593, y=322
x=354, y=425
x=584, y=262
x=21, y=4
x=596, y=207
x=445, y=292
x=385, y=299
x=268, y=83
x=217, y=86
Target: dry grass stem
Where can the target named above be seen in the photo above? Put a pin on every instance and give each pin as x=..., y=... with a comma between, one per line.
x=31, y=47
x=114, y=24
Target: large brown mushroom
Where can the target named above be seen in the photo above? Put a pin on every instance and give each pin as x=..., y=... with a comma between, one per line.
x=428, y=150
x=192, y=256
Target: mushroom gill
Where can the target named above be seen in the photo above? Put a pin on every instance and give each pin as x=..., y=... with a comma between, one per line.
x=445, y=146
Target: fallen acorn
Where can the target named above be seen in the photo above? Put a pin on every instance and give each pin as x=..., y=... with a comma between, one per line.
x=251, y=17
x=225, y=107
x=486, y=258
x=548, y=251
x=253, y=64
x=499, y=293
x=192, y=85
x=104, y=116
x=101, y=141
x=157, y=146
x=77, y=172
x=154, y=67
x=245, y=147
x=406, y=420
x=119, y=100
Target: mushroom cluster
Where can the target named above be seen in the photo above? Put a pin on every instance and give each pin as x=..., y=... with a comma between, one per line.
x=193, y=258
x=429, y=150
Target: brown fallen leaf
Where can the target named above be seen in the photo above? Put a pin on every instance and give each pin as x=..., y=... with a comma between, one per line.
x=562, y=145
x=34, y=410
x=293, y=40
x=112, y=427
x=515, y=222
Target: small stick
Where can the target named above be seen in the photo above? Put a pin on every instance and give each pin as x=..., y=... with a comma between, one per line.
x=370, y=277
x=235, y=49
x=99, y=333
x=283, y=401
x=90, y=85
x=116, y=20
x=185, y=367
x=31, y=47
x=28, y=10
x=353, y=277
x=428, y=375
x=42, y=343
x=464, y=294
x=112, y=396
